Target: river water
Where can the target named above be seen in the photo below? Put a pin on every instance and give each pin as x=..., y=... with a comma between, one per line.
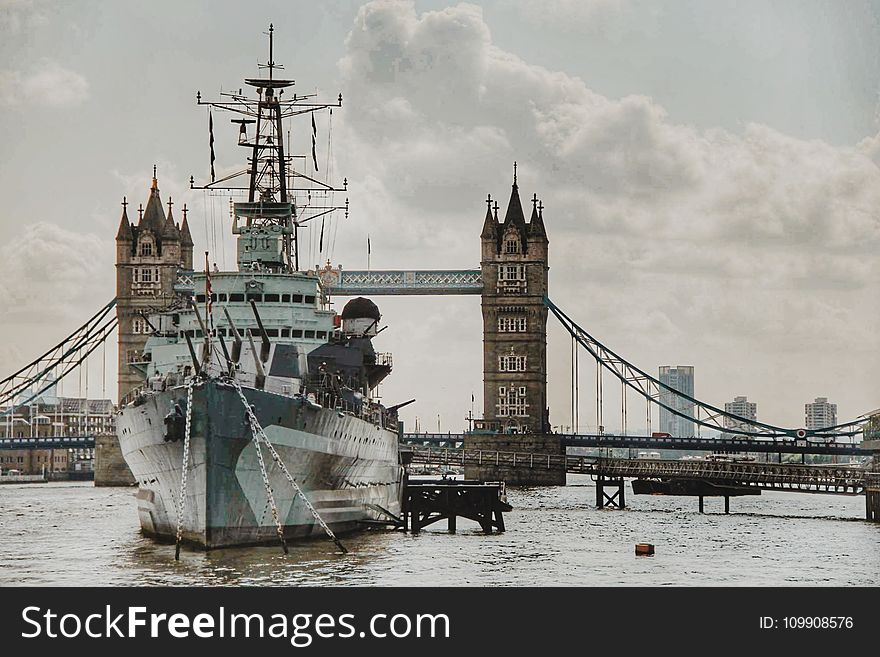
x=74, y=534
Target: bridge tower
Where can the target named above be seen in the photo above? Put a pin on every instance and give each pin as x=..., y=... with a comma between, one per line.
x=148, y=257
x=514, y=266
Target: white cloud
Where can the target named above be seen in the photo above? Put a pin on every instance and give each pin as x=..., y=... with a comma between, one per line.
x=52, y=272
x=580, y=15
x=666, y=238
x=21, y=15
x=48, y=84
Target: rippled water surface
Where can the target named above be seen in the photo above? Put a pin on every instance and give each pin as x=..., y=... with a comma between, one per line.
x=74, y=534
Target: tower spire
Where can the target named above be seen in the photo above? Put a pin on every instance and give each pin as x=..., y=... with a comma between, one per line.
x=514, y=173
x=155, y=180
x=124, y=233
x=186, y=239
x=169, y=230
x=490, y=224
x=536, y=225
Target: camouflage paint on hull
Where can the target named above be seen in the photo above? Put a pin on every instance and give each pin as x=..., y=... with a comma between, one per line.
x=346, y=466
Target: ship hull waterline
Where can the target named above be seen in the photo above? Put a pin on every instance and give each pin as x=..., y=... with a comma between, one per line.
x=347, y=466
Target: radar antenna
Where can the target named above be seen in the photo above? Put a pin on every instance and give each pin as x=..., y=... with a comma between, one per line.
x=267, y=223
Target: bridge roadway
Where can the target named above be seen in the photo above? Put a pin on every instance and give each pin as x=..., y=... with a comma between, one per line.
x=784, y=446
x=53, y=442
x=834, y=479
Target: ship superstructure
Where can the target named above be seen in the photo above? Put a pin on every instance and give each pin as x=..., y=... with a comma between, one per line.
x=256, y=420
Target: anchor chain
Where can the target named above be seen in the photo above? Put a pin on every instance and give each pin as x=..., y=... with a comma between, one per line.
x=183, y=470
x=256, y=430
x=269, y=495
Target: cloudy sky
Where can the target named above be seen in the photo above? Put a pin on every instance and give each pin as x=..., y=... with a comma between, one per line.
x=710, y=173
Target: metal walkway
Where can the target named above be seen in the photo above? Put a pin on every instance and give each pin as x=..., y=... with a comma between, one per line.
x=55, y=442
x=832, y=479
x=402, y=282
x=777, y=446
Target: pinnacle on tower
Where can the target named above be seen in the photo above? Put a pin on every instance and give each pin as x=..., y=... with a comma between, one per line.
x=169, y=231
x=490, y=225
x=153, y=217
x=186, y=239
x=515, y=214
x=514, y=206
x=536, y=223
x=124, y=233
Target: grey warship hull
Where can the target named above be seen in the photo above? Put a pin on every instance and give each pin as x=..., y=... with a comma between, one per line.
x=348, y=466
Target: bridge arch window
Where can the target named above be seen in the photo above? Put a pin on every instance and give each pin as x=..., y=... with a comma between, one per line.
x=512, y=273
x=146, y=275
x=511, y=246
x=512, y=402
x=512, y=279
x=511, y=363
x=512, y=324
x=146, y=246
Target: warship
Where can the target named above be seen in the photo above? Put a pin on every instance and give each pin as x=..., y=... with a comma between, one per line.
x=257, y=418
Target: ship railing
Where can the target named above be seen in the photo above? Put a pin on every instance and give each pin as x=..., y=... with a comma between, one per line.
x=384, y=359
x=131, y=395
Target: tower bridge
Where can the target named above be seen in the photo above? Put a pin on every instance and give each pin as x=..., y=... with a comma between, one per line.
x=154, y=263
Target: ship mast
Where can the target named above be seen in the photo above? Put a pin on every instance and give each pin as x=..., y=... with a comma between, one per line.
x=267, y=223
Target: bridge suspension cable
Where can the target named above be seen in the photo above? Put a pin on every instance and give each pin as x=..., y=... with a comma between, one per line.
x=38, y=376
x=651, y=389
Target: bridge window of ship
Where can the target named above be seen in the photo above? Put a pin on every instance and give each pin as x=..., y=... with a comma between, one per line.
x=310, y=300
x=296, y=333
x=297, y=298
x=200, y=298
x=271, y=298
x=309, y=334
x=272, y=333
x=236, y=297
x=285, y=298
x=254, y=296
x=285, y=333
x=321, y=335
x=222, y=296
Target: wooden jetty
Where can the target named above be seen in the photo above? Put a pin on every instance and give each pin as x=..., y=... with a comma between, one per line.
x=426, y=501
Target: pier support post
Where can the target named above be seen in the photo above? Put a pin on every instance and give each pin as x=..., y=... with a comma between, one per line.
x=872, y=506
x=616, y=499
x=701, y=504
x=450, y=521
x=727, y=504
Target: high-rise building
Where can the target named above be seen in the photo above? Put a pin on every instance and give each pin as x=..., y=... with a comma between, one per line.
x=742, y=407
x=820, y=414
x=680, y=378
